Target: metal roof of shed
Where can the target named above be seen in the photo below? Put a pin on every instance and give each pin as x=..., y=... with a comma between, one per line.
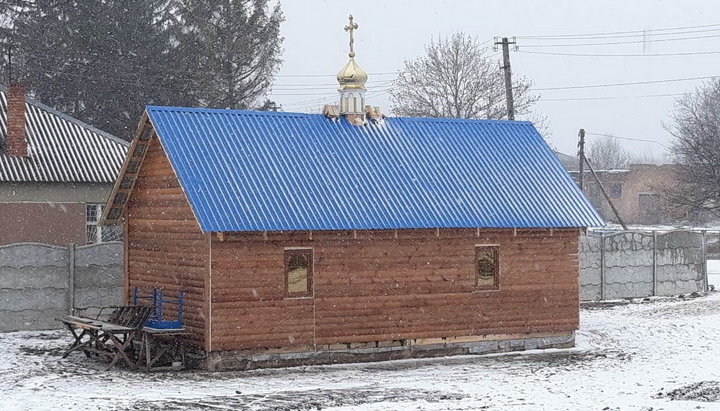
x=61, y=148
x=250, y=171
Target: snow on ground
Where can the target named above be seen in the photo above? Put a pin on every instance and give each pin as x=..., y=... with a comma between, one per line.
x=658, y=355
x=713, y=268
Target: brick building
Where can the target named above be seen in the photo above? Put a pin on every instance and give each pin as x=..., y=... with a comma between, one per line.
x=55, y=174
x=637, y=193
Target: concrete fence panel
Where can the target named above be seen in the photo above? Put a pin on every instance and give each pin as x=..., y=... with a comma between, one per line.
x=634, y=264
x=590, y=269
x=40, y=282
x=680, y=263
x=628, y=265
x=98, y=276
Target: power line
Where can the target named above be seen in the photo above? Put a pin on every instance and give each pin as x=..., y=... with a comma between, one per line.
x=633, y=83
x=299, y=94
x=612, y=97
x=619, y=32
x=639, y=33
x=627, y=138
x=690, y=53
x=317, y=101
x=165, y=72
x=329, y=86
x=619, y=42
x=326, y=85
x=384, y=73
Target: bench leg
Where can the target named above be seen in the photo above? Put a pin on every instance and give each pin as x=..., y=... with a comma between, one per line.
x=78, y=343
x=120, y=347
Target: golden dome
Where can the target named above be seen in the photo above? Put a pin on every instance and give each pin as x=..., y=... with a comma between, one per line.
x=352, y=77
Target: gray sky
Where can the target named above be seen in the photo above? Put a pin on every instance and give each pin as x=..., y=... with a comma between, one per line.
x=393, y=31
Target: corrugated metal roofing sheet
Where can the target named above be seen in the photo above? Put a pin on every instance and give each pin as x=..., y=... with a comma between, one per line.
x=249, y=170
x=62, y=149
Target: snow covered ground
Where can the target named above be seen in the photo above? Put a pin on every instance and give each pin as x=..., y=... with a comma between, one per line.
x=714, y=273
x=659, y=355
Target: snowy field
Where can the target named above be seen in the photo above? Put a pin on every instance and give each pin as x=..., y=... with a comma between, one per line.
x=659, y=355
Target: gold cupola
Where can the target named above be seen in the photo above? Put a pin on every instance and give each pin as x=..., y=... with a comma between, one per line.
x=352, y=77
x=352, y=81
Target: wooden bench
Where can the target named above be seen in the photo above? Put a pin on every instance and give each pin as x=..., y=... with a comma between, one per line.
x=111, y=338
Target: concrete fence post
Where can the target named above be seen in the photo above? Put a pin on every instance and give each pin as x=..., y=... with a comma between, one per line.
x=602, y=266
x=71, y=279
x=704, y=261
x=654, y=264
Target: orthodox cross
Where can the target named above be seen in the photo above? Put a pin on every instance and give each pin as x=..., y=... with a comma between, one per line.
x=350, y=27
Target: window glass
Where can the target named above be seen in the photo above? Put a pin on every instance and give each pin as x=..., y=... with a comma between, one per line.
x=96, y=233
x=298, y=271
x=486, y=262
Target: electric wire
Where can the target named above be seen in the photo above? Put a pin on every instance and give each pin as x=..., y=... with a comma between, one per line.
x=620, y=32
x=613, y=97
x=627, y=138
x=612, y=43
x=689, y=53
x=632, y=83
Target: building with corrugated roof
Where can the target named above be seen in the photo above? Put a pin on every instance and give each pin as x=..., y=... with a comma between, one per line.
x=56, y=173
x=348, y=236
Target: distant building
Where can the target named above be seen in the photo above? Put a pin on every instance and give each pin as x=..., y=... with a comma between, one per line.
x=636, y=191
x=55, y=174
x=569, y=162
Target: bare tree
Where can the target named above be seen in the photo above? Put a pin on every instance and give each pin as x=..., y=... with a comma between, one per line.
x=458, y=78
x=607, y=154
x=696, y=148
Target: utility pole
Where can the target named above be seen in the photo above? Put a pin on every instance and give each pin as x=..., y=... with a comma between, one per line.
x=9, y=64
x=607, y=196
x=581, y=157
x=508, y=73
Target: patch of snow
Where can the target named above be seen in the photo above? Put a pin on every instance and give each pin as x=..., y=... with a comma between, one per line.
x=661, y=354
x=713, y=270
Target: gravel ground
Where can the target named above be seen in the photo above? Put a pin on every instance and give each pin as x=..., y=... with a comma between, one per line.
x=655, y=355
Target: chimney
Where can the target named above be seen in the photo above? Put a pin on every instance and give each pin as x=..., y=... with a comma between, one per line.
x=15, y=142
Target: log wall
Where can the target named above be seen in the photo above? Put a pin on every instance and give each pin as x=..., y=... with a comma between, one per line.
x=384, y=286
x=165, y=246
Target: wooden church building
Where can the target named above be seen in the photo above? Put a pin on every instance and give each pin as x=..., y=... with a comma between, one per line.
x=347, y=236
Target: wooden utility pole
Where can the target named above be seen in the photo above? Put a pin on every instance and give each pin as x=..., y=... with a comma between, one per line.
x=607, y=196
x=9, y=64
x=581, y=157
x=508, y=74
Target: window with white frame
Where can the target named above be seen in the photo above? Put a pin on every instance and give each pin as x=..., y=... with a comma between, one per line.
x=96, y=233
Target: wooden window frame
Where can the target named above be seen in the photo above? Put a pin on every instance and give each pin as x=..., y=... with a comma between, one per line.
x=288, y=253
x=495, y=248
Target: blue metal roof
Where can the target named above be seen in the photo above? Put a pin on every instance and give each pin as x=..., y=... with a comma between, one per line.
x=250, y=171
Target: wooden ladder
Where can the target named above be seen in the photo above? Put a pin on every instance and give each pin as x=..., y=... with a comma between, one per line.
x=128, y=173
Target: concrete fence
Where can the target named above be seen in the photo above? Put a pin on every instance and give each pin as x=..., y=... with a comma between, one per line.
x=633, y=264
x=40, y=282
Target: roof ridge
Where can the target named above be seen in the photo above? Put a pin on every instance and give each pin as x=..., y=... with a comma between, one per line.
x=229, y=110
x=294, y=113
x=71, y=119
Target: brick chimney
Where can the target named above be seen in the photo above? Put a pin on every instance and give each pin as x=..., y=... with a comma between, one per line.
x=15, y=141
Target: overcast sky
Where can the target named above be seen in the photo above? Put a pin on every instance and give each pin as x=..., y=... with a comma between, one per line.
x=393, y=31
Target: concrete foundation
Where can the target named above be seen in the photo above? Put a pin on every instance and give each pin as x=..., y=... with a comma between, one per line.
x=396, y=350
